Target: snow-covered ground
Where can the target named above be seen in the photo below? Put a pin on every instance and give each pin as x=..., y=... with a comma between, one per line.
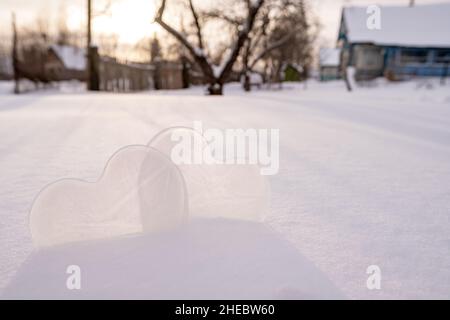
x=364, y=180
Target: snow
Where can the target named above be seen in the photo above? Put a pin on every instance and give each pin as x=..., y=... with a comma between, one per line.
x=197, y=263
x=73, y=58
x=198, y=51
x=217, y=70
x=255, y=3
x=330, y=57
x=255, y=78
x=364, y=180
x=6, y=87
x=429, y=23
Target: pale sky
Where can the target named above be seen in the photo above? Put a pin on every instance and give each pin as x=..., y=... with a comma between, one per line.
x=131, y=19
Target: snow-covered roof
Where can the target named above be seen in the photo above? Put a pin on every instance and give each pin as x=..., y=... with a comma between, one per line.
x=330, y=57
x=418, y=26
x=72, y=57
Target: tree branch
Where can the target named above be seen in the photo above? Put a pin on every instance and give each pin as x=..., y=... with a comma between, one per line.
x=197, y=24
x=197, y=53
x=219, y=15
x=253, y=9
x=104, y=10
x=273, y=46
x=161, y=10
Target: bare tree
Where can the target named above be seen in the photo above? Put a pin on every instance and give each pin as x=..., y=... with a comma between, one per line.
x=281, y=26
x=288, y=43
x=215, y=76
x=29, y=52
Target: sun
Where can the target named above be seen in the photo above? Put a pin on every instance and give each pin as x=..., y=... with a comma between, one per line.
x=131, y=20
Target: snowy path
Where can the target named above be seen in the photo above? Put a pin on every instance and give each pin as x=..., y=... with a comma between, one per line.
x=364, y=178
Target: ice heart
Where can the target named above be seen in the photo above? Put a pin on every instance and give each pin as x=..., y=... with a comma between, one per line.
x=215, y=190
x=140, y=190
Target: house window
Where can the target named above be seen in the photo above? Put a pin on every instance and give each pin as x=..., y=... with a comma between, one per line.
x=442, y=57
x=414, y=56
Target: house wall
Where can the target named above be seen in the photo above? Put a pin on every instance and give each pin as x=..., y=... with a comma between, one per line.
x=328, y=73
x=395, y=63
x=403, y=63
x=368, y=61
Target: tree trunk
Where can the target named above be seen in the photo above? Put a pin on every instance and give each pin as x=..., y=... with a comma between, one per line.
x=15, y=58
x=247, y=84
x=347, y=81
x=215, y=89
x=186, y=73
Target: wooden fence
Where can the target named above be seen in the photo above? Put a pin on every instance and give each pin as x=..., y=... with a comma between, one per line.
x=43, y=67
x=119, y=77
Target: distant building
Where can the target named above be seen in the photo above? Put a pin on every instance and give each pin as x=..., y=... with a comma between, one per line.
x=329, y=64
x=65, y=63
x=412, y=41
x=69, y=63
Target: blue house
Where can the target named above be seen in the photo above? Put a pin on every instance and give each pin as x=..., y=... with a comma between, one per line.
x=408, y=42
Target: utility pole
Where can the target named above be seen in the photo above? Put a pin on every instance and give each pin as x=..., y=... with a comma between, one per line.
x=93, y=81
x=89, y=19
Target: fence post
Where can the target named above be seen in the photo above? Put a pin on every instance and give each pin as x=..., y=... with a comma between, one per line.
x=93, y=69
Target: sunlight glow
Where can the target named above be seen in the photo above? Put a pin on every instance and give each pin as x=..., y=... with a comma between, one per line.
x=130, y=20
